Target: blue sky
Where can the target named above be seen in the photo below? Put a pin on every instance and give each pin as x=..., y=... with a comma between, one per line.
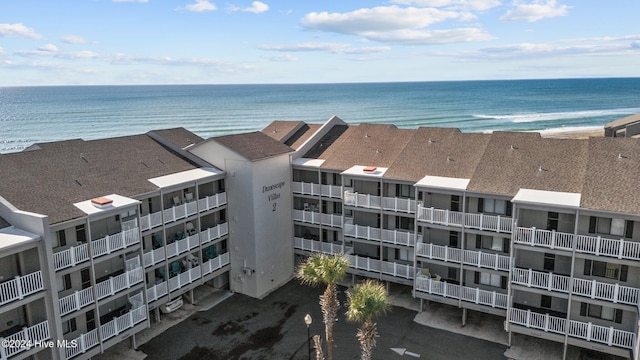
x=45, y=42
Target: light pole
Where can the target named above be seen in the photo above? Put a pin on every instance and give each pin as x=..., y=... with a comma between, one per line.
x=308, y=320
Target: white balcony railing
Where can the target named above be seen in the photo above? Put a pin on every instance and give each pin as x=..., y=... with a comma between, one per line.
x=214, y=233
x=582, y=330
x=468, y=257
x=123, y=322
x=76, y=301
x=397, y=237
x=106, y=245
x=25, y=339
x=153, y=257
x=21, y=286
x=298, y=187
x=84, y=342
x=118, y=283
x=376, y=202
x=184, y=278
x=321, y=247
x=332, y=191
x=383, y=267
x=214, y=264
x=310, y=217
x=589, y=288
x=469, y=294
x=596, y=245
x=181, y=211
x=157, y=291
x=181, y=246
x=480, y=221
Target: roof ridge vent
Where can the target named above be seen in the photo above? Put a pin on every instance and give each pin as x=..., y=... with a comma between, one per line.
x=367, y=135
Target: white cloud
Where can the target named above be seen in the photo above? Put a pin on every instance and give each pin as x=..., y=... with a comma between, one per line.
x=540, y=50
x=334, y=48
x=430, y=37
x=537, y=10
x=136, y=1
x=18, y=30
x=257, y=7
x=48, y=48
x=393, y=24
x=281, y=58
x=454, y=4
x=74, y=39
x=382, y=18
x=201, y=6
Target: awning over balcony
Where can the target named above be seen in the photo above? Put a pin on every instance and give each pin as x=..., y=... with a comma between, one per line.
x=307, y=162
x=543, y=197
x=184, y=177
x=11, y=237
x=365, y=171
x=91, y=207
x=442, y=182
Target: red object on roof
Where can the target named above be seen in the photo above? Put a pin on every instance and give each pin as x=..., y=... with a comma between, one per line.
x=101, y=201
x=370, y=169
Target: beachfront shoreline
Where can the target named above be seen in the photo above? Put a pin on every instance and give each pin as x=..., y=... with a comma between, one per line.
x=573, y=133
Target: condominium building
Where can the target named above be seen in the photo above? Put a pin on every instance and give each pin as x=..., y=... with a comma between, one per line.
x=97, y=236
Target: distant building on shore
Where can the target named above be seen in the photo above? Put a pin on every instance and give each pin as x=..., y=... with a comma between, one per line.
x=96, y=237
x=626, y=127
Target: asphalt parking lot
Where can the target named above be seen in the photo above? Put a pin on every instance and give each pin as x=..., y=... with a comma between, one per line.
x=273, y=328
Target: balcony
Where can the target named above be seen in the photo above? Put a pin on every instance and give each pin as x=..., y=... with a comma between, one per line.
x=576, y=329
x=76, y=301
x=181, y=246
x=214, y=233
x=20, y=286
x=467, y=257
x=312, y=217
x=110, y=329
x=469, y=294
x=332, y=191
x=321, y=247
x=182, y=211
x=396, y=237
x=595, y=245
x=106, y=245
x=480, y=221
x=589, y=288
x=118, y=283
x=184, y=278
x=378, y=266
x=214, y=264
x=157, y=291
x=378, y=202
x=28, y=337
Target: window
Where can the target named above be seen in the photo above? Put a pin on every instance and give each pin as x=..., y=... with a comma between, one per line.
x=601, y=312
x=405, y=191
x=81, y=235
x=62, y=238
x=91, y=320
x=454, y=236
x=493, y=206
x=489, y=279
x=69, y=326
x=549, y=261
x=606, y=270
x=492, y=243
x=402, y=254
x=404, y=223
x=85, y=276
x=545, y=301
x=609, y=226
x=552, y=221
x=67, y=281
x=452, y=274
x=455, y=202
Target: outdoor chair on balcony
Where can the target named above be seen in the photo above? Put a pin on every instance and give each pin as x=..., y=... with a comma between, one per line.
x=190, y=229
x=174, y=269
x=178, y=236
x=188, y=197
x=438, y=277
x=426, y=272
x=176, y=201
x=157, y=241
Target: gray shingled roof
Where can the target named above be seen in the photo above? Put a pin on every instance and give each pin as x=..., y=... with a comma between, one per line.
x=367, y=144
x=254, y=145
x=52, y=178
x=514, y=160
x=438, y=152
x=179, y=136
x=613, y=171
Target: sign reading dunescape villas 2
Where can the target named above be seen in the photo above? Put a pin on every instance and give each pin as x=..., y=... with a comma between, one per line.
x=274, y=193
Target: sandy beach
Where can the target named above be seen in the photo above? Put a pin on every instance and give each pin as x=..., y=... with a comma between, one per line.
x=574, y=133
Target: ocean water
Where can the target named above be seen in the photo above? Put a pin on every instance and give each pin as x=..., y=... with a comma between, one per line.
x=41, y=114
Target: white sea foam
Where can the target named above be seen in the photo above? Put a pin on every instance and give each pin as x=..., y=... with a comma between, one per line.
x=534, y=117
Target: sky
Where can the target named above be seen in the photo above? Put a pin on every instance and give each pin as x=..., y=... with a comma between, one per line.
x=113, y=42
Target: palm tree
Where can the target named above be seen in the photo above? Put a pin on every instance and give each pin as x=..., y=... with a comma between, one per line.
x=325, y=269
x=367, y=301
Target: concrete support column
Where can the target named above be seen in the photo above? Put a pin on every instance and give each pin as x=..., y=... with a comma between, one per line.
x=464, y=316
